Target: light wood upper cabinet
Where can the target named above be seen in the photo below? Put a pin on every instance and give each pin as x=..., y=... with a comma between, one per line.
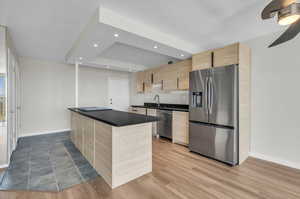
x=215, y=58
x=147, y=87
x=202, y=60
x=176, y=76
x=140, y=76
x=157, y=78
x=148, y=80
x=148, y=76
x=183, y=69
x=169, y=77
x=226, y=56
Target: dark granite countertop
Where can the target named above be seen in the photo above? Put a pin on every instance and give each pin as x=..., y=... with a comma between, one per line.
x=116, y=118
x=168, y=107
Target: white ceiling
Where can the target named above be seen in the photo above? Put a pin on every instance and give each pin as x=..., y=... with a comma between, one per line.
x=206, y=23
x=126, y=53
x=56, y=30
x=45, y=29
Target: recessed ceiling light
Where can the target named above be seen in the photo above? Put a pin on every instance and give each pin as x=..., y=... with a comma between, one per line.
x=96, y=45
x=155, y=47
x=182, y=55
x=80, y=58
x=116, y=35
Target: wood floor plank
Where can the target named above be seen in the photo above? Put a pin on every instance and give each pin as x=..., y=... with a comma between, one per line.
x=180, y=174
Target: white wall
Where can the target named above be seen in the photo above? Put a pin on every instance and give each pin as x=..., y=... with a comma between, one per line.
x=175, y=97
x=47, y=89
x=93, y=85
x=3, y=125
x=275, y=100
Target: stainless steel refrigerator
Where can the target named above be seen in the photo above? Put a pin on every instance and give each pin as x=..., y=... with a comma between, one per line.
x=213, y=113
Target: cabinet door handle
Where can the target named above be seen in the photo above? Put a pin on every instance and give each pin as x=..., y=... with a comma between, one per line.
x=177, y=82
x=152, y=78
x=212, y=59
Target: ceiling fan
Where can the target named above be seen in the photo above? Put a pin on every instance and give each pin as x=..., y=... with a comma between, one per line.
x=288, y=13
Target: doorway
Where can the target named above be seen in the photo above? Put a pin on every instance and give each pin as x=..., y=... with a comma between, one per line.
x=118, y=93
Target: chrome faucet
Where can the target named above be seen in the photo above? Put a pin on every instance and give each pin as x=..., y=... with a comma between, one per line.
x=158, y=102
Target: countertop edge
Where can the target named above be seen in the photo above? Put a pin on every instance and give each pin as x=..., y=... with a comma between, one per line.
x=168, y=109
x=107, y=122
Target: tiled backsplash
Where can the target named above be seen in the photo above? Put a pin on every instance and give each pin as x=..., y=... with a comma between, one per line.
x=176, y=97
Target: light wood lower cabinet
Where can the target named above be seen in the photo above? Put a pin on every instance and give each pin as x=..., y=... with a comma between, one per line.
x=88, y=139
x=79, y=133
x=118, y=154
x=180, y=126
x=73, y=128
x=103, y=151
x=122, y=153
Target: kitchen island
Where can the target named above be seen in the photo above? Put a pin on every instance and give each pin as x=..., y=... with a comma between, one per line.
x=117, y=144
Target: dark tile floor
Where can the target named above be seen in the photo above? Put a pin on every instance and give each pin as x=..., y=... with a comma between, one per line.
x=46, y=163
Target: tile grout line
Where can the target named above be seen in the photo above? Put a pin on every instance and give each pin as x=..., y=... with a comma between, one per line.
x=74, y=164
x=53, y=168
x=29, y=168
x=3, y=176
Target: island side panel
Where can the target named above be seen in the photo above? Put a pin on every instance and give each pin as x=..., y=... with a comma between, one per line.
x=88, y=138
x=132, y=152
x=73, y=127
x=103, y=151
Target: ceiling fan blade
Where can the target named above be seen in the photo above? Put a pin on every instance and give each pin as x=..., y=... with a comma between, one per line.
x=289, y=34
x=274, y=6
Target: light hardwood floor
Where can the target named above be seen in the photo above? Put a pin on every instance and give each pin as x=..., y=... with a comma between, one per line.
x=179, y=174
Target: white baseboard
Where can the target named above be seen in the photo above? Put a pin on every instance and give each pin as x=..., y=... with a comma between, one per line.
x=3, y=166
x=276, y=160
x=44, y=132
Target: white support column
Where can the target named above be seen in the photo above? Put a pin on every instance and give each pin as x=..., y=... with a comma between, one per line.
x=76, y=84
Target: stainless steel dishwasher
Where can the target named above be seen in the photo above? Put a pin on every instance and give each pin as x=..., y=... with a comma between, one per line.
x=164, y=125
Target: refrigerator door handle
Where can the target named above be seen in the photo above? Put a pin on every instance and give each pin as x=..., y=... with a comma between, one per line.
x=193, y=99
x=211, y=94
x=207, y=92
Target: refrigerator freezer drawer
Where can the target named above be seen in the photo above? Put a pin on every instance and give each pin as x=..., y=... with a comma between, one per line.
x=217, y=143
